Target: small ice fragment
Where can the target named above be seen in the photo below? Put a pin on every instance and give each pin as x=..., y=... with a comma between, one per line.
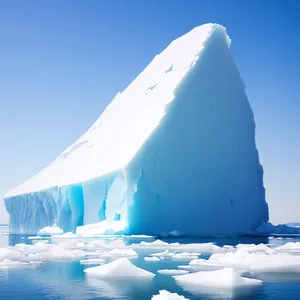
x=165, y=295
x=50, y=230
x=93, y=261
x=154, y=258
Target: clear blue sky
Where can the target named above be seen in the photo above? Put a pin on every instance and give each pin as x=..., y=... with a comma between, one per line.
x=61, y=62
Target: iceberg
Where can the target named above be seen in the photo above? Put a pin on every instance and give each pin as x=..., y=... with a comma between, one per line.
x=175, y=150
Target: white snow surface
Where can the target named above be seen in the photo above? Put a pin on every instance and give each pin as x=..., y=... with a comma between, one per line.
x=50, y=230
x=154, y=258
x=98, y=151
x=166, y=295
x=101, y=228
x=172, y=272
x=121, y=268
x=225, y=278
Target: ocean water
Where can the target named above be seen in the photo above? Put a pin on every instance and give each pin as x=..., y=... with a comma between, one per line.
x=66, y=279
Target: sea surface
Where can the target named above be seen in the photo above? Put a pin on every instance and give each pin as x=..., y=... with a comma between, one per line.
x=66, y=279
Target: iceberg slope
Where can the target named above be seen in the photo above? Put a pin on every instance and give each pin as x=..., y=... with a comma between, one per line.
x=174, y=151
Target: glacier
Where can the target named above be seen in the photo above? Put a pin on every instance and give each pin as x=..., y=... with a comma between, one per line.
x=175, y=151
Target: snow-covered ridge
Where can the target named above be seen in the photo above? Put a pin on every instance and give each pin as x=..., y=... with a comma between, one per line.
x=127, y=121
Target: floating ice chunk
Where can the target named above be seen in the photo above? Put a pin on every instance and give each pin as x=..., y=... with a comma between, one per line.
x=240, y=260
x=276, y=264
x=290, y=246
x=197, y=261
x=103, y=227
x=99, y=244
x=165, y=254
x=93, y=261
x=186, y=256
x=10, y=264
x=153, y=258
x=201, y=247
x=173, y=272
x=119, y=253
x=184, y=267
x=225, y=278
x=165, y=295
x=66, y=243
x=156, y=244
x=12, y=254
x=60, y=253
x=121, y=268
x=50, y=230
x=255, y=248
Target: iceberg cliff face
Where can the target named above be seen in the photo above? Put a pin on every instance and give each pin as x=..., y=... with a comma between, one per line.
x=174, y=151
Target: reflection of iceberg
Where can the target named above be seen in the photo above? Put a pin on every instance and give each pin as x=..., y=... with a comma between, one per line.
x=174, y=152
x=119, y=289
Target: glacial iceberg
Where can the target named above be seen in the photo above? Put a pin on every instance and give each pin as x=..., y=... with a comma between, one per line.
x=175, y=151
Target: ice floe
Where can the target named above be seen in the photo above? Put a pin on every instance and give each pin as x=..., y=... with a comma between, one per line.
x=193, y=247
x=121, y=268
x=165, y=295
x=50, y=230
x=173, y=272
x=93, y=261
x=224, y=278
x=153, y=258
x=186, y=256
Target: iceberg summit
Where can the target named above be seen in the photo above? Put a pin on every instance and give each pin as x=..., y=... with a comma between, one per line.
x=175, y=151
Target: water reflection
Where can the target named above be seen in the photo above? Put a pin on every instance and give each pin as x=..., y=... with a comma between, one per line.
x=120, y=289
x=251, y=292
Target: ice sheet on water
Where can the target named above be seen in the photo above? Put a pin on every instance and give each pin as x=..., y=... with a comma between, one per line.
x=164, y=254
x=193, y=247
x=173, y=272
x=121, y=268
x=93, y=261
x=224, y=278
x=12, y=264
x=186, y=256
x=276, y=264
x=117, y=253
x=153, y=258
x=12, y=253
x=166, y=295
x=255, y=248
x=289, y=247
